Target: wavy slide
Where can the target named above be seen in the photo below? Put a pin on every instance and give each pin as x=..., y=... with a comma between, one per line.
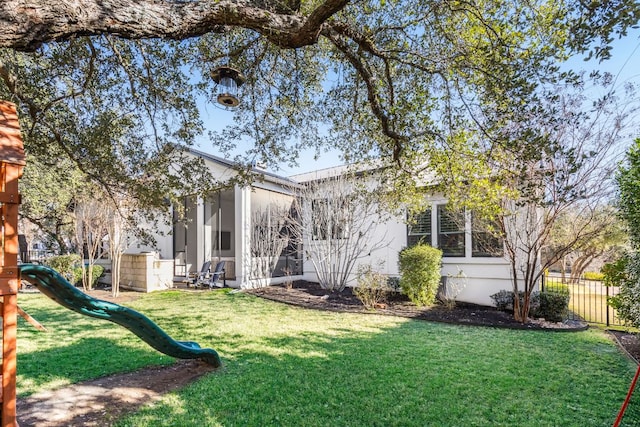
x=56, y=287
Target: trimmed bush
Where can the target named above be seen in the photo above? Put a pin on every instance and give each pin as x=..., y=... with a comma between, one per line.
x=593, y=275
x=420, y=273
x=503, y=300
x=96, y=273
x=68, y=266
x=553, y=306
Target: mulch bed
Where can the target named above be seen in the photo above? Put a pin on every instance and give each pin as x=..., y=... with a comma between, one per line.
x=310, y=295
x=628, y=342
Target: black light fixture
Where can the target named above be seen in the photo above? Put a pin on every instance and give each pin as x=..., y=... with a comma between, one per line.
x=228, y=81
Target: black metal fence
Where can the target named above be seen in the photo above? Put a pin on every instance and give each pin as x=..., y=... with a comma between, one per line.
x=588, y=300
x=36, y=256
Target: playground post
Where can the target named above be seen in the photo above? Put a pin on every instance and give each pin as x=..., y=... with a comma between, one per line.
x=12, y=162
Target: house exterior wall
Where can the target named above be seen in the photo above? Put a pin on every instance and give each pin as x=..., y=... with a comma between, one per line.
x=483, y=279
x=468, y=278
x=384, y=259
x=191, y=243
x=164, y=242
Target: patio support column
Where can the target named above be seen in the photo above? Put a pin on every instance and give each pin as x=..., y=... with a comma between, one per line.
x=242, y=197
x=200, y=238
x=468, y=250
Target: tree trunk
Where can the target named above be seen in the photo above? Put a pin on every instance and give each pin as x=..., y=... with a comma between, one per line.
x=581, y=265
x=116, y=257
x=87, y=275
x=521, y=308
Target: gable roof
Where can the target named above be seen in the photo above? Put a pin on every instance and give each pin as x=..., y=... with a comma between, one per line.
x=268, y=176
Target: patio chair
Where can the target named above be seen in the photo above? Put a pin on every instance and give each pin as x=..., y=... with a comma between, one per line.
x=218, y=272
x=202, y=276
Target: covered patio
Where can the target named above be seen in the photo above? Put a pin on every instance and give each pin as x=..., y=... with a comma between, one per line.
x=221, y=226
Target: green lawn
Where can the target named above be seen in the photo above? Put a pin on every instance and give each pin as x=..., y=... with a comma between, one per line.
x=294, y=367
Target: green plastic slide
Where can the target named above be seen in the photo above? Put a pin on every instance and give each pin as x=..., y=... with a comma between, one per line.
x=56, y=287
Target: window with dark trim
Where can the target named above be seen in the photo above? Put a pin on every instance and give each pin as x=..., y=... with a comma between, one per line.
x=319, y=211
x=419, y=230
x=330, y=218
x=485, y=240
x=451, y=232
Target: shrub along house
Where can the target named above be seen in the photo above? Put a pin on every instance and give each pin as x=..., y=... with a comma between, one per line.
x=220, y=228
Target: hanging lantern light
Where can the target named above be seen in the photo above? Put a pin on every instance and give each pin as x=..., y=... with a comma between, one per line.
x=228, y=81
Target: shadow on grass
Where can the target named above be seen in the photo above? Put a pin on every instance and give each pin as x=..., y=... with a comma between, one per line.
x=86, y=358
x=414, y=373
x=288, y=366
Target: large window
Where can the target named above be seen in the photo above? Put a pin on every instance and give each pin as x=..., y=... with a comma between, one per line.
x=485, y=240
x=420, y=229
x=330, y=218
x=319, y=212
x=451, y=232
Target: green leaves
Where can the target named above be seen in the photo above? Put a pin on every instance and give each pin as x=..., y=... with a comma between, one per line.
x=104, y=117
x=628, y=180
x=447, y=86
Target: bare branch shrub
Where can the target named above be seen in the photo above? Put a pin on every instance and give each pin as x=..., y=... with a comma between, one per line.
x=269, y=237
x=336, y=220
x=372, y=289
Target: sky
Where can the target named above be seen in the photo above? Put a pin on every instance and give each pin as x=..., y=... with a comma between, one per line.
x=624, y=65
x=625, y=60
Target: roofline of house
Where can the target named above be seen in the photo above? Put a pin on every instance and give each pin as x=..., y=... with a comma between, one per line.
x=332, y=172
x=270, y=176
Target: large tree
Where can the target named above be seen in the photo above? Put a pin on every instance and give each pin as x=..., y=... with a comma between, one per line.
x=116, y=86
x=49, y=191
x=398, y=81
x=625, y=273
x=605, y=240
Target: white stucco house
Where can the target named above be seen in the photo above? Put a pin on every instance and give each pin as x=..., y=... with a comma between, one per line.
x=219, y=228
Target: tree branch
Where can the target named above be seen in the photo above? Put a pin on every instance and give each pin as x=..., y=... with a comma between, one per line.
x=26, y=24
x=371, y=83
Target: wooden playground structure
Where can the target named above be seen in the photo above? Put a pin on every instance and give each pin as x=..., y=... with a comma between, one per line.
x=12, y=162
x=50, y=283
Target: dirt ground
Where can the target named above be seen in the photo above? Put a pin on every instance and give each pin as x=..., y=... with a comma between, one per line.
x=102, y=401
x=99, y=402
